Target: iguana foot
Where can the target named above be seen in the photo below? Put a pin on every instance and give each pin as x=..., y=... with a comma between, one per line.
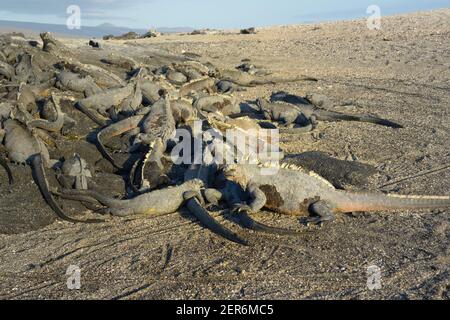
x=212, y=196
x=194, y=195
x=241, y=207
x=322, y=212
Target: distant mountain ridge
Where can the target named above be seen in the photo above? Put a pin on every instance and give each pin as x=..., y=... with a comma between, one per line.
x=85, y=32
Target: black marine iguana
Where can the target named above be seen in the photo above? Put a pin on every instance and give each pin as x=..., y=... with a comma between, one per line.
x=155, y=203
x=24, y=147
x=294, y=191
x=291, y=109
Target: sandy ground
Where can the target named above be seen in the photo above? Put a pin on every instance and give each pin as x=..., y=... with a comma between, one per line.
x=400, y=73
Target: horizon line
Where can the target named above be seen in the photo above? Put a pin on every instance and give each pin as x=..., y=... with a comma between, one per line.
x=314, y=21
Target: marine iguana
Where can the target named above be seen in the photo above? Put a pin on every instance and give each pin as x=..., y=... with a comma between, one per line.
x=245, y=79
x=341, y=174
x=28, y=72
x=199, y=85
x=206, y=172
x=189, y=71
x=158, y=127
x=67, y=80
x=294, y=191
x=294, y=109
x=121, y=61
x=176, y=77
x=150, y=91
x=75, y=173
x=114, y=130
x=190, y=66
x=6, y=70
x=223, y=86
x=52, y=126
x=182, y=111
x=154, y=203
x=51, y=113
x=97, y=105
x=24, y=147
x=225, y=104
x=288, y=115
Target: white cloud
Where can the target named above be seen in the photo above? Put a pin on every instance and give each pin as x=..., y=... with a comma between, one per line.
x=91, y=9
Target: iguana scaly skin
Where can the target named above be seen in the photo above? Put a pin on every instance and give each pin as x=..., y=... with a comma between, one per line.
x=176, y=77
x=27, y=71
x=199, y=85
x=21, y=145
x=155, y=203
x=150, y=91
x=225, y=104
x=182, y=110
x=76, y=170
x=342, y=174
x=7, y=70
x=121, y=61
x=102, y=102
x=26, y=97
x=294, y=191
x=52, y=126
x=189, y=71
x=114, y=130
x=67, y=80
x=188, y=66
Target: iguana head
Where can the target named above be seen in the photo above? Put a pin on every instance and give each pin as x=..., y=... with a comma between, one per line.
x=195, y=184
x=236, y=173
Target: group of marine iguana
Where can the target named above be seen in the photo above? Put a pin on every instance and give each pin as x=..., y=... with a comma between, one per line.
x=146, y=98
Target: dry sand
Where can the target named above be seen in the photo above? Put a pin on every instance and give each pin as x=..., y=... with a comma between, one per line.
x=400, y=73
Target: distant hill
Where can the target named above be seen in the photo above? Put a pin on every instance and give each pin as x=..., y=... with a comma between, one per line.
x=99, y=31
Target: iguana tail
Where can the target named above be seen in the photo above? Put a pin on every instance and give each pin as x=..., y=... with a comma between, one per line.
x=262, y=80
x=209, y=222
x=4, y=164
x=92, y=114
x=326, y=115
x=355, y=202
x=88, y=195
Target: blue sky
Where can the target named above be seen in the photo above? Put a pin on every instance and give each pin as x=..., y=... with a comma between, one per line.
x=204, y=13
